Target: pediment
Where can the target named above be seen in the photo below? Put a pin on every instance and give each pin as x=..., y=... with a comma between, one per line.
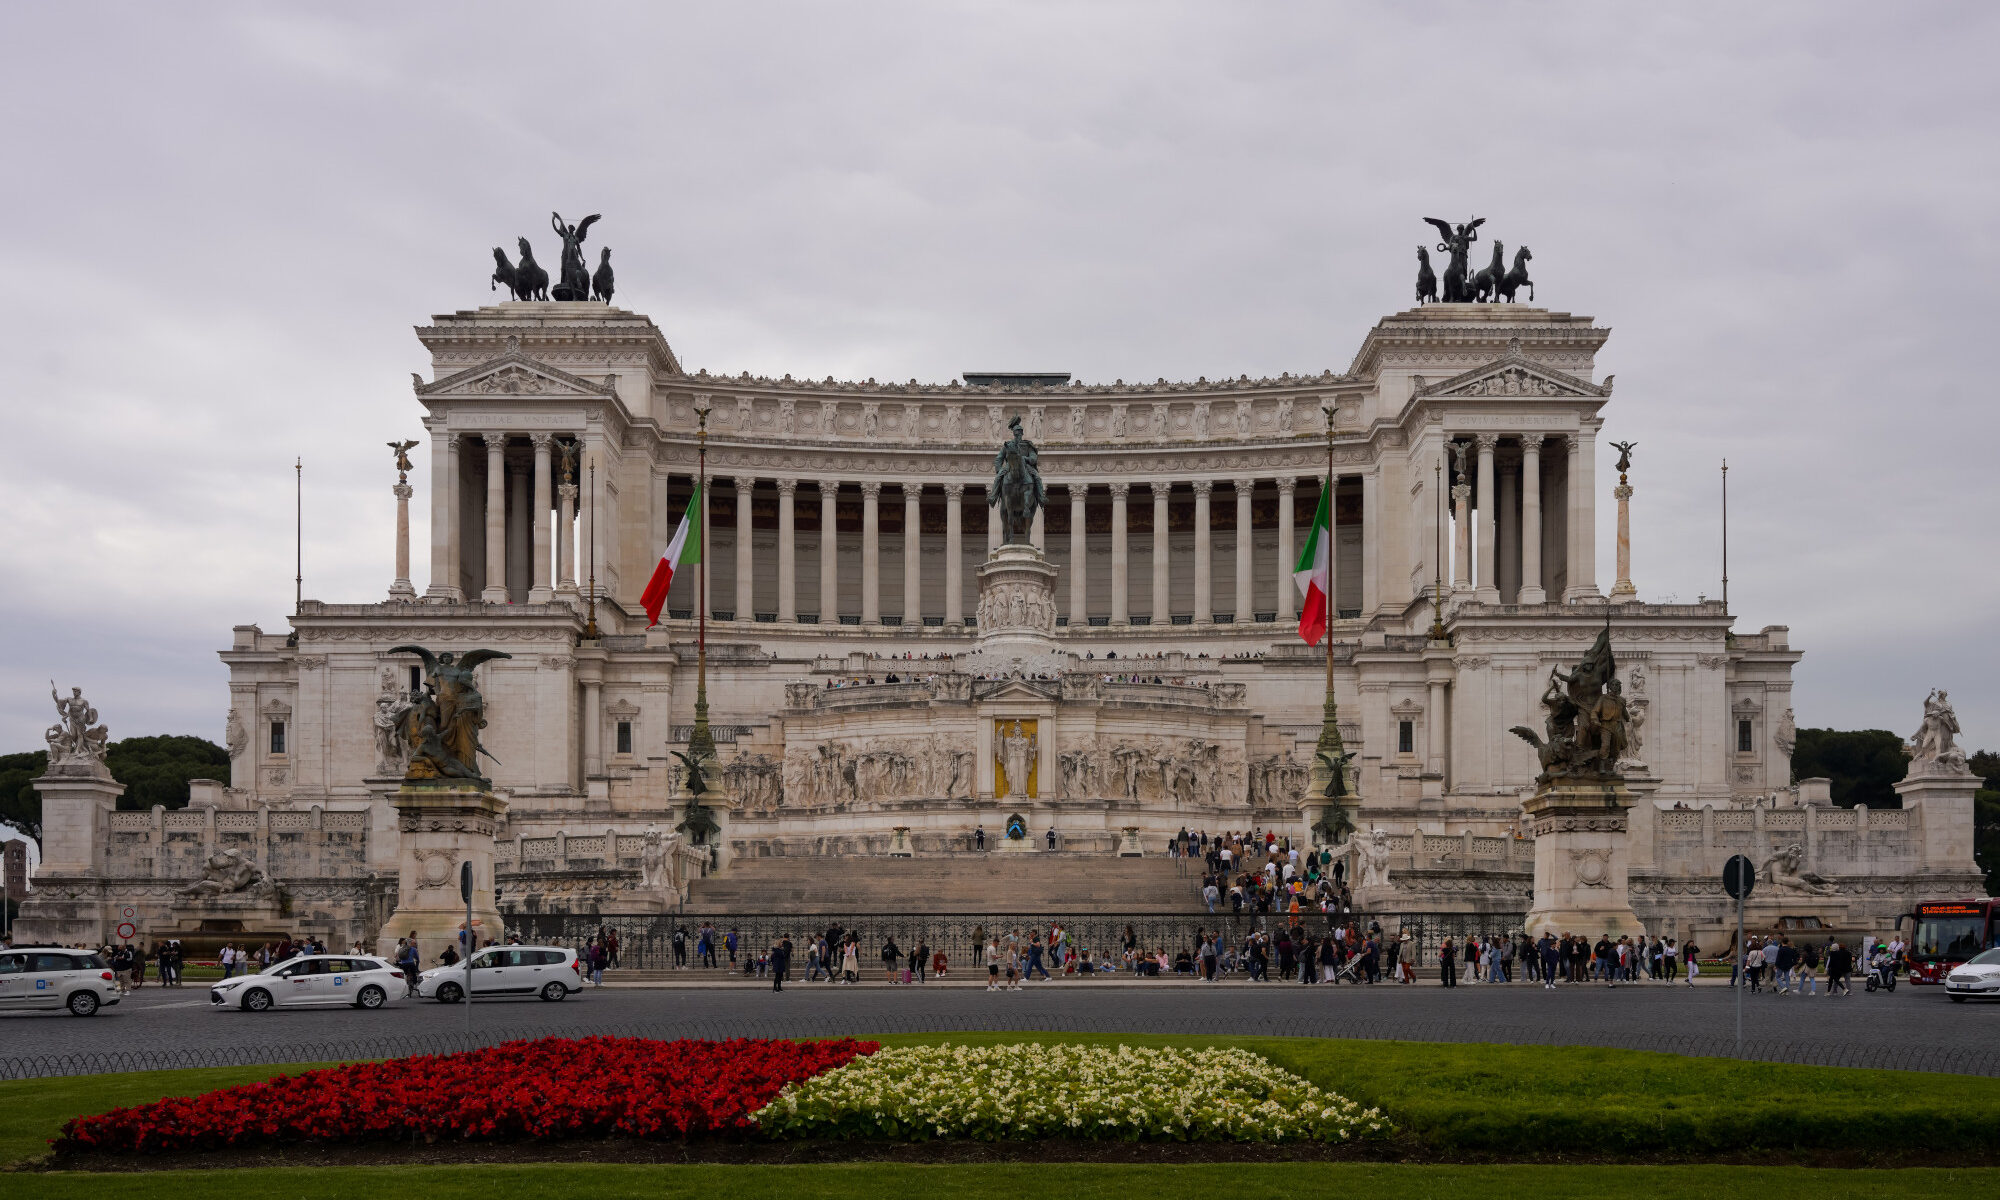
x=1515, y=374
x=1018, y=689
x=513, y=374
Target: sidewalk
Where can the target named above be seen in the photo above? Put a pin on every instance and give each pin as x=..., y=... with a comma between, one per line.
x=710, y=979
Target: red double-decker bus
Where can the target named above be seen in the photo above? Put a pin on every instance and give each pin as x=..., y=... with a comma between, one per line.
x=1947, y=933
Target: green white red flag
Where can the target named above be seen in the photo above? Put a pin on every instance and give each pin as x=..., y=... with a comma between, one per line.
x=683, y=551
x=1314, y=574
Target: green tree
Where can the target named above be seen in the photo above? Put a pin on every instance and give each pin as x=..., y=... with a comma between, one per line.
x=1865, y=765
x=154, y=770
x=1986, y=835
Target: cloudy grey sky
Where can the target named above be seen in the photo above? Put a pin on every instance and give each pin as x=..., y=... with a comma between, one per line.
x=221, y=222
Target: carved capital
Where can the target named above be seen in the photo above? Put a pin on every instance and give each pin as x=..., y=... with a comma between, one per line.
x=1531, y=443
x=1573, y=441
x=1244, y=486
x=1202, y=487
x=1120, y=490
x=788, y=488
x=912, y=492
x=495, y=442
x=828, y=489
x=871, y=488
x=542, y=442
x=1287, y=486
x=1485, y=443
x=954, y=492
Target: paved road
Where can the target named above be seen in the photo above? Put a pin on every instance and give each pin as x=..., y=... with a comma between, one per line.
x=1913, y=1028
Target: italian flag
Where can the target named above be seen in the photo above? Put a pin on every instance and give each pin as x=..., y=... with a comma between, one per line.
x=1314, y=574
x=683, y=551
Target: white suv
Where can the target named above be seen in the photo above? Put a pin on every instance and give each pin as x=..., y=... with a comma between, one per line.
x=312, y=979
x=549, y=972
x=52, y=977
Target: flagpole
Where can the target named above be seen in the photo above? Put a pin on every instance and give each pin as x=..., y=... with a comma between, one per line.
x=701, y=743
x=590, y=619
x=1329, y=751
x=1437, y=633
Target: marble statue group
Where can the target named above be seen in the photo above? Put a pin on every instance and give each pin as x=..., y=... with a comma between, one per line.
x=76, y=739
x=439, y=726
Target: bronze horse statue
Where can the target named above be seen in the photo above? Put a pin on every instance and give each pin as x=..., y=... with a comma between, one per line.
x=503, y=272
x=1487, y=281
x=530, y=281
x=1427, y=280
x=1513, y=280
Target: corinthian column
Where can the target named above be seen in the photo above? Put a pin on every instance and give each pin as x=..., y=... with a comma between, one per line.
x=1461, y=542
x=788, y=551
x=495, y=591
x=1489, y=582
x=566, y=538
x=1204, y=560
x=913, y=556
x=1622, y=592
x=954, y=555
x=1531, y=520
x=746, y=566
x=402, y=588
x=1246, y=603
x=1288, y=517
x=1162, y=611
x=1582, y=515
x=829, y=554
x=539, y=589
x=443, y=586
x=871, y=552
x=1079, y=554
x=1120, y=565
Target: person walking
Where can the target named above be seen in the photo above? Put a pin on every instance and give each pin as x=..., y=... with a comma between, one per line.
x=992, y=965
x=850, y=960
x=920, y=957
x=1839, y=961
x=1448, y=963
x=1689, y=955
x=892, y=957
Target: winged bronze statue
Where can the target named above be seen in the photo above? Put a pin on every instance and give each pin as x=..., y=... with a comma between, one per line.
x=442, y=727
x=402, y=452
x=1624, y=455
x=697, y=783
x=1457, y=242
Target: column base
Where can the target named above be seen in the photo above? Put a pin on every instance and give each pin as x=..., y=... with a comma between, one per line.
x=541, y=593
x=1487, y=594
x=439, y=594
x=1583, y=595
x=1624, y=593
x=402, y=590
x=1532, y=595
x=495, y=595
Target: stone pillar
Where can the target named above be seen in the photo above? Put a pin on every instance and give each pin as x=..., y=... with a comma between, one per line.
x=788, y=551
x=994, y=534
x=829, y=554
x=540, y=590
x=1038, y=534
x=1507, y=568
x=495, y=591
x=1371, y=542
x=1162, y=607
x=520, y=536
x=871, y=552
x=1204, y=560
x=441, y=825
x=954, y=555
x=402, y=588
x=1245, y=543
x=593, y=727
x=1941, y=795
x=1622, y=592
x=1461, y=545
x=913, y=556
x=1288, y=515
x=1079, y=554
x=1489, y=579
x=443, y=586
x=746, y=564
x=566, y=538
x=1532, y=591
x=1120, y=565
x=1581, y=859
x=1434, y=727
x=1582, y=516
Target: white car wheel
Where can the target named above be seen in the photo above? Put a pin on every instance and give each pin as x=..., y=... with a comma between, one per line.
x=450, y=993
x=83, y=1004
x=256, y=1000
x=554, y=991
x=370, y=997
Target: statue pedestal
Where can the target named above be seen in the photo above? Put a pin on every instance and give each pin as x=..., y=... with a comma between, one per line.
x=443, y=824
x=1581, y=858
x=1128, y=843
x=77, y=801
x=1017, y=614
x=1941, y=794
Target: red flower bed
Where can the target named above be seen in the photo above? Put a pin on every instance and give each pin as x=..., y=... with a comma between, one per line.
x=547, y=1088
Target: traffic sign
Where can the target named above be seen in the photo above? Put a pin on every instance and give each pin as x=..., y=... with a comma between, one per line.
x=128, y=913
x=126, y=930
x=465, y=881
x=1739, y=877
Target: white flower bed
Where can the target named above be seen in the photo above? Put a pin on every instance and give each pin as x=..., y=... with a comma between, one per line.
x=1036, y=1091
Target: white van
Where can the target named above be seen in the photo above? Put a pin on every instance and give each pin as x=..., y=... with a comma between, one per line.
x=52, y=977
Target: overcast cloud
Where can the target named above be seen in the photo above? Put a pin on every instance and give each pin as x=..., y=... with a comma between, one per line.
x=221, y=223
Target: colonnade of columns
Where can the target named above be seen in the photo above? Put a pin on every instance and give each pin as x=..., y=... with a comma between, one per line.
x=1503, y=531
x=520, y=526
x=1253, y=593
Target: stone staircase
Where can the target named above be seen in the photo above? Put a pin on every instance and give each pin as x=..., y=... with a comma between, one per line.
x=994, y=882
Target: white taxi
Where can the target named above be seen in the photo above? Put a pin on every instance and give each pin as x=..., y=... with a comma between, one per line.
x=34, y=977
x=545, y=972
x=312, y=979
x=1978, y=976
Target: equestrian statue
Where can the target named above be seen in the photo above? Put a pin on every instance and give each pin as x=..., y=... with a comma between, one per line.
x=1018, y=490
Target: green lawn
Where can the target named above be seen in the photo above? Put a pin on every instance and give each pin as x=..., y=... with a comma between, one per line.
x=1012, y=1181
x=1456, y=1099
